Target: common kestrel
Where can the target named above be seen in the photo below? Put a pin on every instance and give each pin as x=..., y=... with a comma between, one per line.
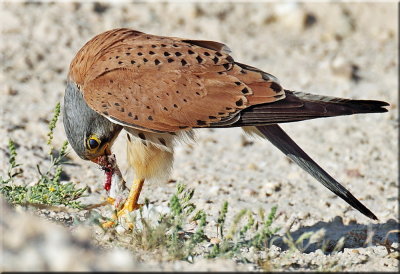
x=158, y=89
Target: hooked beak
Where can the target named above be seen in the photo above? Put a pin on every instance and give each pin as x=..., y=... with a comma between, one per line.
x=102, y=159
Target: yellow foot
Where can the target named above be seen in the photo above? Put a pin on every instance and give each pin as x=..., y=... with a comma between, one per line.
x=109, y=224
x=123, y=217
x=110, y=200
x=128, y=207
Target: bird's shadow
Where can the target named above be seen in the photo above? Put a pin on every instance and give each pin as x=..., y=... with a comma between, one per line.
x=354, y=236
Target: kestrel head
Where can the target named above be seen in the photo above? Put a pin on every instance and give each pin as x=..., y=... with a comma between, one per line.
x=90, y=134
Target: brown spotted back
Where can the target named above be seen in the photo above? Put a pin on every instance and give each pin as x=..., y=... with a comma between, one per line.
x=166, y=84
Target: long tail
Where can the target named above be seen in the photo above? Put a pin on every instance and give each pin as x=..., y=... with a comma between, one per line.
x=281, y=140
x=298, y=106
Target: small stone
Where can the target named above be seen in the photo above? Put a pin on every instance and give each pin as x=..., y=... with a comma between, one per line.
x=120, y=229
x=252, y=166
x=215, y=241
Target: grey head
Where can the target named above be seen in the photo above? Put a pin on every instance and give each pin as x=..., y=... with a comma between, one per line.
x=90, y=134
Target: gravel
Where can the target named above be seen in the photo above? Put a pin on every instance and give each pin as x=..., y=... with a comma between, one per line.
x=337, y=49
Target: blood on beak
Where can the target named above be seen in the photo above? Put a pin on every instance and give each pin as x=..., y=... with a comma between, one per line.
x=96, y=160
x=100, y=160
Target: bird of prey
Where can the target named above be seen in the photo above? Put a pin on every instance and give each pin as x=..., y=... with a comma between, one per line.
x=159, y=89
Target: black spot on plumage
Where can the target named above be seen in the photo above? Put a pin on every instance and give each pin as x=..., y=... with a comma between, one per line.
x=156, y=62
x=190, y=51
x=184, y=100
x=212, y=117
x=199, y=59
x=136, y=118
x=245, y=91
x=229, y=59
x=206, y=53
x=177, y=91
x=215, y=59
x=117, y=104
x=142, y=136
x=175, y=106
x=128, y=53
x=175, y=45
x=218, y=54
x=183, y=62
x=151, y=52
x=227, y=66
x=150, y=118
x=104, y=105
x=109, y=93
x=166, y=53
x=105, y=112
x=239, y=102
x=165, y=108
x=221, y=113
x=275, y=87
x=132, y=62
x=140, y=54
x=243, y=71
x=116, y=57
x=197, y=93
x=228, y=108
x=130, y=114
x=120, y=62
x=181, y=127
x=153, y=46
x=178, y=53
x=170, y=60
x=201, y=123
x=163, y=45
x=122, y=110
x=238, y=83
x=145, y=60
x=162, y=141
x=111, y=81
x=148, y=107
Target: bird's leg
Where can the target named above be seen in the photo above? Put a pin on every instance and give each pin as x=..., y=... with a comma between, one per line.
x=131, y=203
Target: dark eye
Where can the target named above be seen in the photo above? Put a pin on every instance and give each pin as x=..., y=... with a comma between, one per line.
x=93, y=143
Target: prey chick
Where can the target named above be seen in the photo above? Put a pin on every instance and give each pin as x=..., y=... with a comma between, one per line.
x=114, y=183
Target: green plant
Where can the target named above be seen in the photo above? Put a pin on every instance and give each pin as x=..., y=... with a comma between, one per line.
x=254, y=233
x=168, y=234
x=48, y=190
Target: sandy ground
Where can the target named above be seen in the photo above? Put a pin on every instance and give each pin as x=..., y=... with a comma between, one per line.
x=344, y=50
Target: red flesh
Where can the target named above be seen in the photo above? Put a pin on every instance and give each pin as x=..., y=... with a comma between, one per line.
x=108, y=170
x=107, y=184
